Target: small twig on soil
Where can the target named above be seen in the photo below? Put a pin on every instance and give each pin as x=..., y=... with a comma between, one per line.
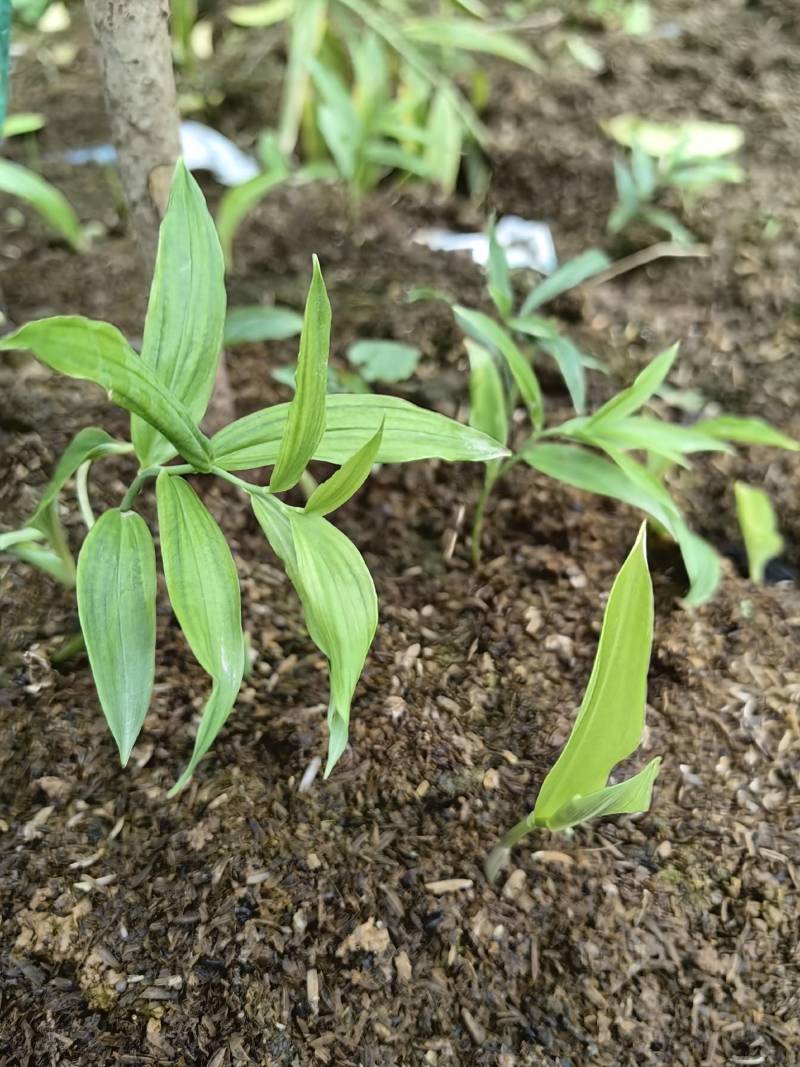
x=661, y=250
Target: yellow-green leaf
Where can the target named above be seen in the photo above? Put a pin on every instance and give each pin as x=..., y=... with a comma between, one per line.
x=759, y=526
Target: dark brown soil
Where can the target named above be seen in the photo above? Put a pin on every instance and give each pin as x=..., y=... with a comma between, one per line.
x=252, y=922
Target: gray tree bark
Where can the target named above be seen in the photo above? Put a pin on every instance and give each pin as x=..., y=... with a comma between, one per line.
x=135, y=57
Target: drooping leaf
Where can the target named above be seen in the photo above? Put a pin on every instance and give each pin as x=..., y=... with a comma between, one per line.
x=305, y=422
x=245, y=325
x=488, y=333
x=52, y=205
x=338, y=598
x=631, y=399
x=573, y=272
x=570, y=362
x=116, y=590
x=240, y=201
x=746, y=431
x=610, y=720
x=45, y=560
x=759, y=525
x=345, y=483
x=625, y=798
x=97, y=352
x=410, y=433
x=186, y=311
x=15, y=537
x=384, y=361
x=203, y=589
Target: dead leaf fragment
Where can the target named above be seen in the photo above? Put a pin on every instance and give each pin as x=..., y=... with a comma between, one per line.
x=368, y=937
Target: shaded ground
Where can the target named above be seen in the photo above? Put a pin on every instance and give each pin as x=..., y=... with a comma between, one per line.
x=252, y=922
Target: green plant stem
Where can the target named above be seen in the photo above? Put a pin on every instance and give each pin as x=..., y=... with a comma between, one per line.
x=145, y=475
x=240, y=483
x=71, y=648
x=82, y=492
x=501, y=851
x=480, y=512
x=308, y=483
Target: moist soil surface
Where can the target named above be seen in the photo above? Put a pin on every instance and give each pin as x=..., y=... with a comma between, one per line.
x=269, y=917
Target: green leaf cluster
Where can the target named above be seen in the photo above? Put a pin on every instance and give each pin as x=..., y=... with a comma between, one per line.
x=166, y=388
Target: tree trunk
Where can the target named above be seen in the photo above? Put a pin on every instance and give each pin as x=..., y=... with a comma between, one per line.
x=133, y=44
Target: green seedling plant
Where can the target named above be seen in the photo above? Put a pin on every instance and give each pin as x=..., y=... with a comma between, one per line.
x=624, y=449
x=689, y=158
x=372, y=90
x=166, y=390
x=371, y=362
x=610, y=721
x=759, y=525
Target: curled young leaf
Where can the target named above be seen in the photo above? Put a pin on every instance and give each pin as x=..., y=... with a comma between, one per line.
x=203, y=589
x=116, y=590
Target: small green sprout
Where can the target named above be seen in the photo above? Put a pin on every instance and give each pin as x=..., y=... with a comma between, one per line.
x=609, y=724
x=166, y=390
x=759, y=526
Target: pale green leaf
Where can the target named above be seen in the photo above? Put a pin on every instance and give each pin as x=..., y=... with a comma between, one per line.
x=703, y=140
x=470, y=35
x=344, y=483
x=203, y=589
x=445, y=134
x=45, y=560
x=237, y=202
x=571, y=362
x=410, y=433
x=759, y=526
x=306, y=31
x=625, y=798
x=499, y=277
x=536, y=326
x=97, y=352
x=267, y=13
x=52, y=205
x=384, y=361
x=635, y=396
x=488, y=333
x=610, y=720
x=22, y=122
x=305, y=423
x=573, y=272
x=246, y=325
x=746, y=431
x=116, y=590
x=14, y=537
x=487, y=396
x=186, y=311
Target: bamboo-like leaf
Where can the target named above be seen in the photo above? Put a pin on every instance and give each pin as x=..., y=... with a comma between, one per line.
x=445, y=133
x=97, y=352
x=237, y=202
x=487, y=397
x=410, y=433
x=45, y=560
x=469, y=35
x=245, y=325
x=639, y=432
x=305, y=422
x=625, y=798
x=52, y=205
x=611, y=717
x=306, y=31
x=499, y=277
x=186, y=312
x=203, y=588
x=573, y=272
x=117, y=607
x=759, y=526
x=746, y=431
x=570, y=362
x=488, y=333
x=635, y=396
x=345, y=483
x=338, y=598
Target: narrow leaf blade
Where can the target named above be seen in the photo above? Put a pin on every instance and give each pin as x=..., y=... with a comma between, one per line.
x=345, y=483
x=573, y=272
x=625, y=798
x=759, y=526
x=52, y=205
x=116, y=588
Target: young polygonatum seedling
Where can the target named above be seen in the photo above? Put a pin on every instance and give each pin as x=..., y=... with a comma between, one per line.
x=166, y=389
x=599, y=452
x=609, y=724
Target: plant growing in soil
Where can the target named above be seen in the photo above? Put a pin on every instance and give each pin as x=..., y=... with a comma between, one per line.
x=598, y=452
x=371, y=89
x=610, y=721
x=759, y=525
x=689, y=158
x=166, y=390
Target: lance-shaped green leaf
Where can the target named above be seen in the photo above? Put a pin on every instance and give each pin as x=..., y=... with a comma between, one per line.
x=571, y=362
x=471, y=35
x=305, y=422
x=186, y=311
x=639, y=432
x=306, y=33
x=410, y=433
x=18, y=537
x=97, y=352
x=45, y=560
x=203, y=588
x=487, y=410
x=338, y=598
x=487, y=332
x=644, y=386
x=52, y=205
x=117, y=607
x=572, y=273
x=499, y=276
x=746, y=431
x=249, y=324
x=759, y=526
x=344, y=483
x=610, y=721
x=241, y=199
